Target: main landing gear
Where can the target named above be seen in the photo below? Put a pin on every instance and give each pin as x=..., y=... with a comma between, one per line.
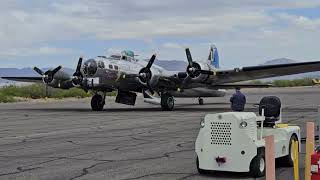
x=97, y=102
x=167, y=102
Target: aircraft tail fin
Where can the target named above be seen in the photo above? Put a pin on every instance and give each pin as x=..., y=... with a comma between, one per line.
x=214, y=57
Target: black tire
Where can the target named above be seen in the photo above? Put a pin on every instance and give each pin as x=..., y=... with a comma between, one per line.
x=167, y=102
x=201, y=171
x=97, y=103
x=288, y=160
x=201, y=101
x=258, y=164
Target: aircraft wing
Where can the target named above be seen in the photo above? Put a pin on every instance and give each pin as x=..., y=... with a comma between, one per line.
x=232, y=86
x=259, y=72
x=25, y=79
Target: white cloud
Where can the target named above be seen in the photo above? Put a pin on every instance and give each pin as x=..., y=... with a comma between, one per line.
x=301, y=21
x=35, y=51
x=172, y=45
x=243, y=30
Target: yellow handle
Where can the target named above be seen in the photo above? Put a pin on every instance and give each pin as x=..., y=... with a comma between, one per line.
x=295, y=151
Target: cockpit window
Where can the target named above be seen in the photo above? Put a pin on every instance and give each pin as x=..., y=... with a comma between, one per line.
x=115, y=57
x=110, y=66
x=116, y=67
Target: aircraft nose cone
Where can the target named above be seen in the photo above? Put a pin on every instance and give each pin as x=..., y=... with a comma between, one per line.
x=90, y=67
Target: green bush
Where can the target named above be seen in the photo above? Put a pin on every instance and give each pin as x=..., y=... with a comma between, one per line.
x=293, y=83
x=37, y=91
x=6, y=99
x=73, y=92
x=285, y=83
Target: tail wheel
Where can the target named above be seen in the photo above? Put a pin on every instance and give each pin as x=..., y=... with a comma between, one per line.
x=201, y=101
x=167, y=102
x=97, y=102
x=258, y=164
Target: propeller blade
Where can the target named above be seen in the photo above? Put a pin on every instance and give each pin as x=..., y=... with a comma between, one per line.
x=55, y=70
x=189, y=57
x=79, y=64
x=39, y=71
x=149, y=87
x=151, y=61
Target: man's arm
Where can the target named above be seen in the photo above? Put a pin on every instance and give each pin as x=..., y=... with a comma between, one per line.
x=231, y=99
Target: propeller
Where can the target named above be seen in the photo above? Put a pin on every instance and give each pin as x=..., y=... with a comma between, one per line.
x=48, y=75
x=193, y=69
x=145, y=73
x=77, y=75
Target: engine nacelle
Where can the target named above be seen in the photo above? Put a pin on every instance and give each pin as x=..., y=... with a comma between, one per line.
x=195, y=74
x=147, y=76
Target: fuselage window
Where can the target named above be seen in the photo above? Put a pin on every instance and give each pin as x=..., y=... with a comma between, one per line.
x=116, y=67
x=110, y=66
x=101, y=64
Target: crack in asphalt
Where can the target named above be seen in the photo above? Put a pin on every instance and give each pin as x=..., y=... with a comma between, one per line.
x=156, y=174
x=85, y=171
x=20, y=170
x=188, y=176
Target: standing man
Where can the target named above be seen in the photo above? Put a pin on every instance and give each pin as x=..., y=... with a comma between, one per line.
x=238, y=100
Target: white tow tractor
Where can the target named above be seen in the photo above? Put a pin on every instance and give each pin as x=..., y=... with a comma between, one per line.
x=234, y=141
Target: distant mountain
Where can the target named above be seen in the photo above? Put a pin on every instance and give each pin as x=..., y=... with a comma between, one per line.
x=279, y=61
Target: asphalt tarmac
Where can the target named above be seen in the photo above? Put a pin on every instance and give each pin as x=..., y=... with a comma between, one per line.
x=66, y=140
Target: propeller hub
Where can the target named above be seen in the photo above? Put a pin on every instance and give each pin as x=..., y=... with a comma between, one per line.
x=47, y=76
x=145, y=75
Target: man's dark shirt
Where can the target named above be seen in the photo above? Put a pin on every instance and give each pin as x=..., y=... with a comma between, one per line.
x=238, y=101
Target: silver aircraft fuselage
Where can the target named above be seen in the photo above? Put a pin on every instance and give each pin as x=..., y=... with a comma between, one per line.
x=110, y=73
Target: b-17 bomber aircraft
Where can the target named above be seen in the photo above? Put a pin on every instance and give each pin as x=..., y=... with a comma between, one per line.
x=128, y=76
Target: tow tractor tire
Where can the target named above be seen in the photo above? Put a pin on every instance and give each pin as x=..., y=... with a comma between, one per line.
x=167, y=102
x=201, y=171
x=258, y=164
x=288, y=160
x=201, y=101
x=97, y=103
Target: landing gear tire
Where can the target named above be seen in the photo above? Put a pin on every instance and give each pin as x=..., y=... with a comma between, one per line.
x=258, y=164
x=97, y=103
x=201, y=101
x=167, y=102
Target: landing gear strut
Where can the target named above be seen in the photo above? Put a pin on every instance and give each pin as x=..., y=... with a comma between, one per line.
x=97, y=102
x=167, y=102
x=200, y=100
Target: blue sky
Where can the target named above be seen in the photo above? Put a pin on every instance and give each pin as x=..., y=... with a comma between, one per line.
x=246, y=32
